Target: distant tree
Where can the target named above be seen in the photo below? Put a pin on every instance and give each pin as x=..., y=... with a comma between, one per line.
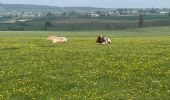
x=47, y=24
x=49, y=14
x=140, y=11
x=9, y=28
x=64, y=14
x=121, y=11
x=100, y=13
x=153, y=11
x=141, y=21
x=45, y=28
x=73, y=14
x=169, y=13
x=107, y=26
x=20, y=28
x=73, y=28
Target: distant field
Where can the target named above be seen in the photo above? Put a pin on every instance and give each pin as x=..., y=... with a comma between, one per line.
x=77, y=21
x=135, y=66
x=97, y=23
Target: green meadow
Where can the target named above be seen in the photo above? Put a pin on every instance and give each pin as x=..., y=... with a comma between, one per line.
x=135, y=66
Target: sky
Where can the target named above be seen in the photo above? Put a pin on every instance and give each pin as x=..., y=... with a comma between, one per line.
x=96, y=3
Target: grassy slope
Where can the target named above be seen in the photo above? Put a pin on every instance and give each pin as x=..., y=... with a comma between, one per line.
x=135, y=66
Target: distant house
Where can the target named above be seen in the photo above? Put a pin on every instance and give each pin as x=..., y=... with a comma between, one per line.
x=163, y=12
x=117, y=13
x=134, y=12
x=22, y=20
x=93, y=15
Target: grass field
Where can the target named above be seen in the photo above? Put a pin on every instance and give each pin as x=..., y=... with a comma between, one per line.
x=135, y=66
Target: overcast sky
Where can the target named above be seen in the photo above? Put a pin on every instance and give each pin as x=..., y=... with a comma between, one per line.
x=97, y=3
